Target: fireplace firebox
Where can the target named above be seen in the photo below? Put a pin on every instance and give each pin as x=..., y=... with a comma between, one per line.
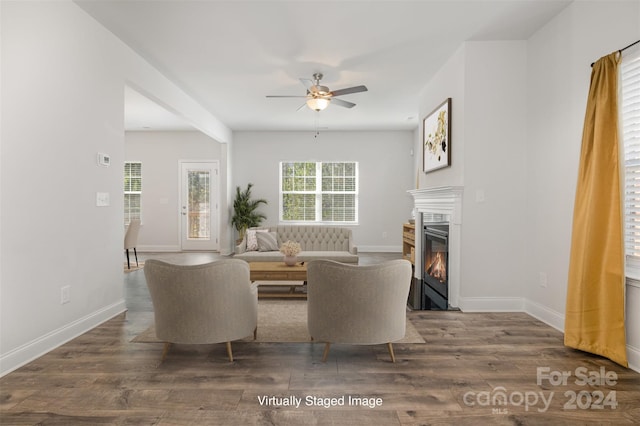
x=435, y=266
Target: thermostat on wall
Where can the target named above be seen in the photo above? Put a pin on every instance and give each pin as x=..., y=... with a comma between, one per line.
x=104, y=159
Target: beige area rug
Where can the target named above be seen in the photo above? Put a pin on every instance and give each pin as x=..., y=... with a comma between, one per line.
x=133, y=266
x=282, y=321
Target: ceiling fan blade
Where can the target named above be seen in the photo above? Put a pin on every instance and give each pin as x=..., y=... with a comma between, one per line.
x=285, y=96
x=348, y=90
x=342, y=103
x=301, y=106
x=306, y=82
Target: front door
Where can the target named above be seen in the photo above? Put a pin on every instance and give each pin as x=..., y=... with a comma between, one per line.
x=199, y=189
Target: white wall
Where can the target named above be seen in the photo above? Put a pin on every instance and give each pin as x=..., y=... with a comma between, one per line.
x=495, y=135
x=63, y=79
x=385, y=166
x=449, y=82
x=558, y=77
x=53, y=235
x=160, y=153
x=523, y=107
x=486, y=81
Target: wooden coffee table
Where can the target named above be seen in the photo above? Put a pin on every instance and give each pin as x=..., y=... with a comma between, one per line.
x=272, y=273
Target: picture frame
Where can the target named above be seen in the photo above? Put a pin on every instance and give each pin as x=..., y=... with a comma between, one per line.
x=436, y=138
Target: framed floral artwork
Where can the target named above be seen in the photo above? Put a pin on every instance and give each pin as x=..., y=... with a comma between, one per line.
x=436, y=138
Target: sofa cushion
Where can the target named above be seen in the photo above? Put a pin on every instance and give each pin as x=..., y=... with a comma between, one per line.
x=252, y=240
x=267, y=241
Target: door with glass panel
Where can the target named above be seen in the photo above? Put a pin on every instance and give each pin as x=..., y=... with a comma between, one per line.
x=199, y=189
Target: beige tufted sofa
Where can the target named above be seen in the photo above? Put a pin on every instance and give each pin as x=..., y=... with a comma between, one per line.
x=317, y=242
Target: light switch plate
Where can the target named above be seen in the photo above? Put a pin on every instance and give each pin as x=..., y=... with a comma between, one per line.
x=102, y=199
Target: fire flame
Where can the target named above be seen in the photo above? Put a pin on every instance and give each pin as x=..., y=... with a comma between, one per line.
x=438, y=268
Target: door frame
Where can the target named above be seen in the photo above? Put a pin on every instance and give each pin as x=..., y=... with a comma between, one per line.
x=215, y=199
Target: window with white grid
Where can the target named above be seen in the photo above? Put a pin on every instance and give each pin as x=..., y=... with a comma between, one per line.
x=132, y=191
x=319, y=192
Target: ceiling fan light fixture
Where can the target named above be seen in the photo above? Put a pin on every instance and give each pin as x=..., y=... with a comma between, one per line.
x=317, y=104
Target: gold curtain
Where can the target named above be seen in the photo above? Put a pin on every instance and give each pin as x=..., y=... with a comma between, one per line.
x=594, y=320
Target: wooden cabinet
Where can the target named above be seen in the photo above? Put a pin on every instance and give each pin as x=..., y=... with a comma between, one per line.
x=409, y=242
x=409, y=252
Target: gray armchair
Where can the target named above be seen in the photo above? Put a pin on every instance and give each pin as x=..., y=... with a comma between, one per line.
x=357, y=304
x=202, y=304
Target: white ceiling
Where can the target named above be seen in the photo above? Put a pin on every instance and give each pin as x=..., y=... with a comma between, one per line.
x=228, y=55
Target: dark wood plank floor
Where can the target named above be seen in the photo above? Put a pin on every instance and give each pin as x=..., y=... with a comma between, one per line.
x=470, y=359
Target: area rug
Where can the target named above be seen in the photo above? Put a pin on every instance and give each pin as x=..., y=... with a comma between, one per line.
x=133, y=267
x=281, y=321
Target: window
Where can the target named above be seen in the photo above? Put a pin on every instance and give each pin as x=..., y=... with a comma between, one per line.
x=132, y=190
x=320, y=192
x=630, y=110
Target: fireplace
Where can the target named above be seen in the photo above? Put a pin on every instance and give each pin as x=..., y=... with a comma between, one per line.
x=435, y=277
x=434, y=206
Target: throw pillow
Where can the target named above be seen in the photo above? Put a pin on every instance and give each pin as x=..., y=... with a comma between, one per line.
x=267, y=241
x=252, y=241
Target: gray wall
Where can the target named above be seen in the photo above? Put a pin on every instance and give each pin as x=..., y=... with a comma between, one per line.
x=385, y=166
x=160, y=153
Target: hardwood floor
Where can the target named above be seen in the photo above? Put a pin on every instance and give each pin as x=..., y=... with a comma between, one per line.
x=469, y=358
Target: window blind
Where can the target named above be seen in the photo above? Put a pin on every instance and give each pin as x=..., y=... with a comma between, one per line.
x=630, y=124
x=321, y=192
x=132, y=191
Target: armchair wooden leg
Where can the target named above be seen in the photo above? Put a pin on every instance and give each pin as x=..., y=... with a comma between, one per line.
x=390, y=347
x=165, y=351
x=229, y=352
x=255, y=333
x=325, y=354
x=128, y=263
x=136, y=254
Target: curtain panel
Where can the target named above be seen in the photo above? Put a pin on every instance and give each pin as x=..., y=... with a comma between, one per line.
x=594, y=320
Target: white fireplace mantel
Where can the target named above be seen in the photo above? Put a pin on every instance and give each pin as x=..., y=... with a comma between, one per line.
x=445, y=201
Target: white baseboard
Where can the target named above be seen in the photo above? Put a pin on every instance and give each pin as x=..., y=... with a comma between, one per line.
x=36, y=348
x=556, y=320
x=379, y=249
x=548, y=316
x=633, y=357
x=491, y=304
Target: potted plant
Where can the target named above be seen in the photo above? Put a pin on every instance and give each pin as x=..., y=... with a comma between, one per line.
x=290, y=249
x=245, y=214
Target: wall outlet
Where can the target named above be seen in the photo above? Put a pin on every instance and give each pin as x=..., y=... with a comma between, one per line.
x=65, y=294
x=542, y=279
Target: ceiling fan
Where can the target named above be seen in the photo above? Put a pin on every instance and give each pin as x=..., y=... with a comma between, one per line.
x=318, y=97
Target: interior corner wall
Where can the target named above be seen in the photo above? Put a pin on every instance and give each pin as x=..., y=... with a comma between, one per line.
x=160, y=153
x=385, y=167
x=558, y=81
x=486, y=81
